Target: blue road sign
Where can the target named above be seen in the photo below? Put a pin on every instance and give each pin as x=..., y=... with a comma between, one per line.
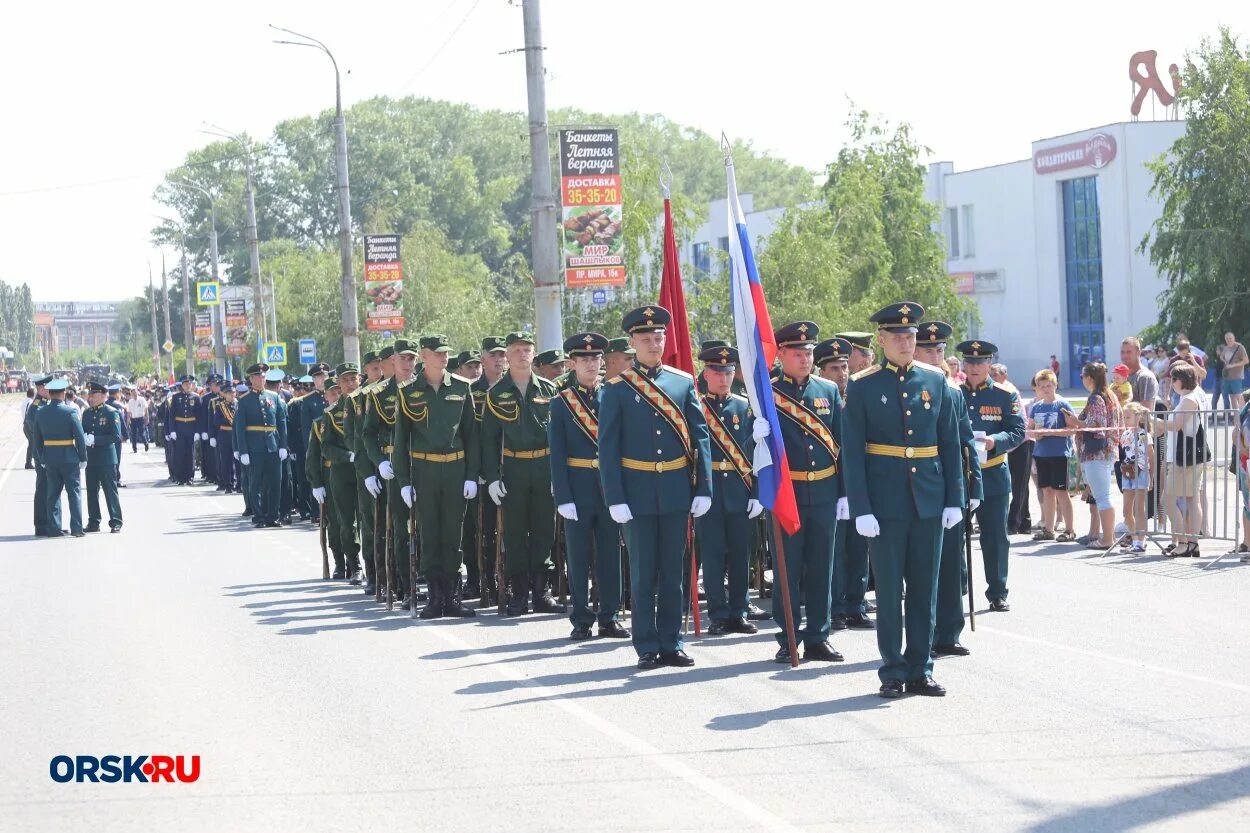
x=387, y=334
x=208, y=292
x=307, y=351
x=600, y=297
x=275, y=353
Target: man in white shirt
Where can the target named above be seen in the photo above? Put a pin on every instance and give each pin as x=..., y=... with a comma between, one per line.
x=137, y=410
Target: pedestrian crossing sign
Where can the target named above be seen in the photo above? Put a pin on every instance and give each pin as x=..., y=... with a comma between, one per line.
x=209, y=293
x=275, y=353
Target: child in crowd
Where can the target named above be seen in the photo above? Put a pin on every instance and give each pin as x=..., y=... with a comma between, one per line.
x=1120, y=385
x=1138, y=470
x=1050, y=456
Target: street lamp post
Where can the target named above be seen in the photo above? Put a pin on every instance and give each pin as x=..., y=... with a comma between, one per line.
x=219, y=343
x=347, y=282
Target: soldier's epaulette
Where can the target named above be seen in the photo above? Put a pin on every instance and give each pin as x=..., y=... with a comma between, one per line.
x=1003, y=387
x=678, y=371
x=737, y=396
x=866, y=372
x=928, y=367
x=460, y=378
x=612, y=381
x=295, y=399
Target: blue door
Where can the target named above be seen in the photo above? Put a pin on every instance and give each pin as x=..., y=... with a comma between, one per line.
x=1082, y=258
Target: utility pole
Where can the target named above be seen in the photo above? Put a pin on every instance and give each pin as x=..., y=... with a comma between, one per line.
x=253, y=237
x=347, y=281
x=156, y=347
x=165, y=295
x=186, y=312
x=544, y=251
x=219, y=343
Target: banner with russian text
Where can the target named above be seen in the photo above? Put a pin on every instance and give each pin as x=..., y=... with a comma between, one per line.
x=590, y=194
x=203, y=336
x=238, y=340
x=384, y=283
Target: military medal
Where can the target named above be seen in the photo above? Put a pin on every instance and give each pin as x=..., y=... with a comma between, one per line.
x=883, y=399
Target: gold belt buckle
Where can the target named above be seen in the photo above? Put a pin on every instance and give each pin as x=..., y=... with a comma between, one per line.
x=811, y=475
x=910, y=452
x=659, y=466
x=594, y=464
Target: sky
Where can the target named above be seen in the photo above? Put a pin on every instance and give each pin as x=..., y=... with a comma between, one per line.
x=101, y=99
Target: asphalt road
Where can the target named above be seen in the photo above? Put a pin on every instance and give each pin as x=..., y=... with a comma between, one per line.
x=1114, y=696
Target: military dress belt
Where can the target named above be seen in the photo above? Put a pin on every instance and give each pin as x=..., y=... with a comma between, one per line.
x=994, y=461
x=225, y=427
x=185, y=419
x=262, y=428
x=908, y=451
x=437, y=458
x=387, y=449
x=527, y=455
x=47, y=443
x=654, y=465
x=582, y=463
x=819, y=474
x=723, y=465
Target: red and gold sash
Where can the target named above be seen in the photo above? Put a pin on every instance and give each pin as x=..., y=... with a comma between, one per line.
x=801, y=415
x=226, y=411
x=588, y=422
x=654, y=396
x=727, y=444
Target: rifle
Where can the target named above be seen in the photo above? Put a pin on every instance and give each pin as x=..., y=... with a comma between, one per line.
x=972, y=613
x=378, y=590
x=482, y=581
x=325, y=556
x=412, y=556
x=499, y=553
x=386, y=556
x=560, y=560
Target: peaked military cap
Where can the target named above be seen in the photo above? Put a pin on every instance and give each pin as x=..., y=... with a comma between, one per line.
x=933, y=333
x=902, y=317
x=710, y=343
x=187, y=378
x=369, y=358
x=586, y=344
x=319, y=367
x=649, y=319
x=57, y=384
x=547, y=357
x=468, y=356
x=386, y=352
x=490, y=344
x=436, y=342
x=346, y=367
x=275, y=375
x=518, y=335
x=834, y=349
x=403, y=345
x=305, y=380
x=259, y=367
x=620, y=345
x=719, y=354
x=797, y=334
x=96, y=387
x=976, y=350
x=43, y=380
x=113, y=388
x=240, y=388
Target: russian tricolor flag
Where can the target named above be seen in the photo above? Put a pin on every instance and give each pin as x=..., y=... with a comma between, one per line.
x=757, y=349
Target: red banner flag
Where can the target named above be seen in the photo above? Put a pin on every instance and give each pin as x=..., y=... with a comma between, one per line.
x=677, y=349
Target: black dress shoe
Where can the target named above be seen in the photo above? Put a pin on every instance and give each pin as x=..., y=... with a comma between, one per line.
x=870, y=607
x=581, y=633
x=837, y=622
x=822, y=652
x=648, y=661
x=371, y=589
x=717, y=629
x=337, y=574
x=677, y=659
x=859, y=622
x=925, y=688
x=1000, y=606
x=614, y=630
x=271, y=525
x=91, y=528
x=247, y=513
x=356, y=577
x=952, y=650
x=79, y=534
x=56, y=533
x=891, y=689
x=782, y=657
x=757, y=614
x=739, y=625
x=115, y=529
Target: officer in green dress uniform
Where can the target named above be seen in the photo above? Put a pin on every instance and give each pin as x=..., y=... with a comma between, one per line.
x=655, y=463
x=726, y=534
x=850, y=552
x=43, y=526
x=102, y=430
x=515, y=465
x=468, y=365
x=326, y=467
x=378, y=435
x=436, y=449
x=809, y=410
x=494, y=359
x=997, y=416
x=953, y=568
x=590, y=534
x=260, y=438
x=353, y=422
x=550, y=364
x=903, y=474
x=62, y=452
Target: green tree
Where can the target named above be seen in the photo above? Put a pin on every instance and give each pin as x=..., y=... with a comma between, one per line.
x=1201, y=241
x=25, y=306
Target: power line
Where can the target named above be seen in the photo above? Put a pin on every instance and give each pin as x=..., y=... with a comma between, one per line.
x=440, y=49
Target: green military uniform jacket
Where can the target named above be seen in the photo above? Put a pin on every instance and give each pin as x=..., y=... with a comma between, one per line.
x=995, y=409
x=353, y=427
x=435, y=425
x=58, y=435
x=378, y=433
x=259, y=423
x=105, y=424
x=513, y=422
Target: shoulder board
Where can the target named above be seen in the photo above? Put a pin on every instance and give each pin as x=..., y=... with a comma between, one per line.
x=866, y=372
x=928, y=367
x=678, y=371
x=1002, y=387
x=458, y=378
x=612, y=381
x=738, y=397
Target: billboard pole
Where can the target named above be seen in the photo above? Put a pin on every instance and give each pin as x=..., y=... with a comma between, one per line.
x=544, y=251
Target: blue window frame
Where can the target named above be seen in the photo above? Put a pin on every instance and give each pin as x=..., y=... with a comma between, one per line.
x=1082, y=260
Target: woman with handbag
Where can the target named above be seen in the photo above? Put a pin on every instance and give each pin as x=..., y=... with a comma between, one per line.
x=1189, y=453
x=1097, y=448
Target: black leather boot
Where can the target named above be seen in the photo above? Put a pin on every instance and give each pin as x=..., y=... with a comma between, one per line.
x=452, y=605
x=518, y=596
x=434, y=606
x=544, y=602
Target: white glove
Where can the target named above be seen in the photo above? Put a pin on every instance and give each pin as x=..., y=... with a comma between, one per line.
x=245, y=459
x=236, y=455
x=204, y=436
x=212, y=443
x=497, y=492
x=567, y=511
x=620, y=513
x=173, y=435
x=844, y=509
x=372, y=486
x=867, y=526
x=319, y=493
x=754, y=508
x=760, y=429
x=283, y=453
x=89, y=440
x=351, y=456
x=973, y=503
x=407, y=493
x=951, y=515
x=293, y=456
x=386, y=470
x=470, y=489
x=700, y=505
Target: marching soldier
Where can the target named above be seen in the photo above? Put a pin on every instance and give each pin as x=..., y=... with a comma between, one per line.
x=114, y=401
x=181, y=421
x=618, y=356
x=850, y=553
x=304, y=410
x=590, y=533
x=378, y=435
x=998, y=426
x=62, y=452
x=208, y=458
x=952, y=568
x=221, y=438
x=366, y=478
x=514, y=462
x=550, y=364
x=468, y=365
x=810, y=413
x=102, y=430
x=274, y=380
x=332, y=478
x=435, y=461
x=726, y=533
x=654, y=461
x=43, y=524
x=494, y=364
x=903, y=479
x=260, y=437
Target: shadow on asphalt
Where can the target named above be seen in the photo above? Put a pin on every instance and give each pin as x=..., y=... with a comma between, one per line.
x=745, y=721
